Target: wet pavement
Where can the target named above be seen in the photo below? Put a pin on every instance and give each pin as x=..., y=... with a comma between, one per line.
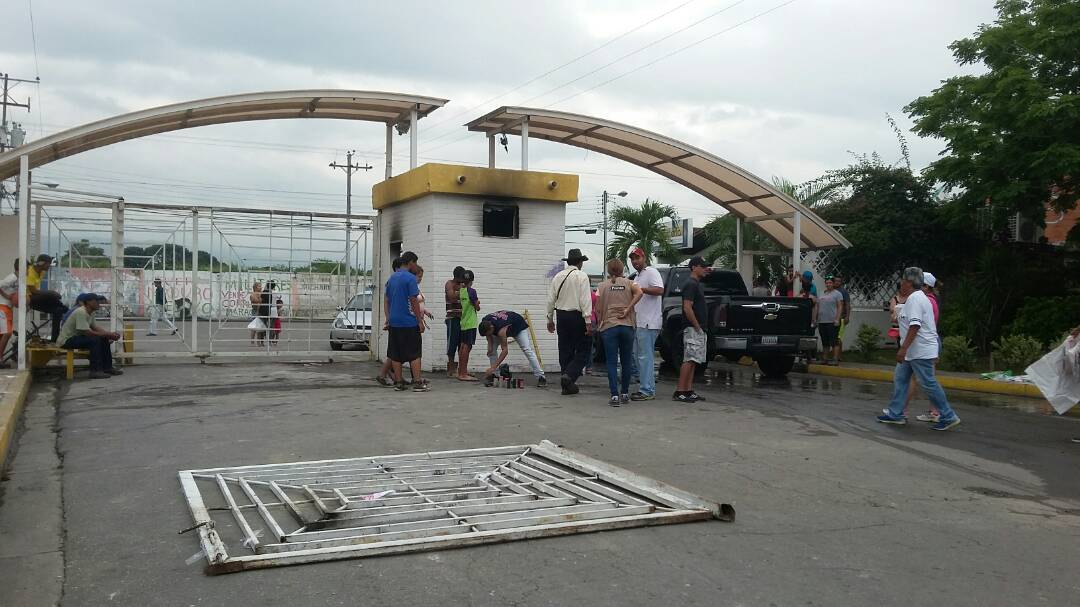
x=833, y=508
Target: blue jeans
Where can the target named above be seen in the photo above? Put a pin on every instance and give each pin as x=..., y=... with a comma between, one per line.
x=618, y=343
x=923, y=369
x=644, y=348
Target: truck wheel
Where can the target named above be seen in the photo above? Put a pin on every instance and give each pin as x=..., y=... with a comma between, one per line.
x=775, y=366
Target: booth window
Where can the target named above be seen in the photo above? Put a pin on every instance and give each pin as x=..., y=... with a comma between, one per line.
x=501, y=220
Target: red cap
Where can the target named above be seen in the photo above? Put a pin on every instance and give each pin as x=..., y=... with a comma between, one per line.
x=637, y=252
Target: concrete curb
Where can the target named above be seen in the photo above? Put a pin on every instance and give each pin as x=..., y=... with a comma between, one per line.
x=11, y=405
x=947, y=381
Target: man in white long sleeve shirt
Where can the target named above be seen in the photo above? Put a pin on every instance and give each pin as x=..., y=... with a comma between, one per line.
x=569, y=306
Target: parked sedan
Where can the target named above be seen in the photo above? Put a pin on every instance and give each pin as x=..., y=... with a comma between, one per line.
x=352, y=326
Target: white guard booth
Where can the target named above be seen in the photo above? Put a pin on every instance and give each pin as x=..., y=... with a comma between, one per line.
x=504, y=225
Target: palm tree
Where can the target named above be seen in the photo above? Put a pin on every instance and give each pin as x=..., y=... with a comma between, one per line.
x=646, y=226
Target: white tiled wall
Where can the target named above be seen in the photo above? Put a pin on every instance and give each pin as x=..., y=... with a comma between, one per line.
x=511, y=274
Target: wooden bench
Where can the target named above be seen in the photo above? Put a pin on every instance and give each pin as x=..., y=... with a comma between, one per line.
x=41, y=355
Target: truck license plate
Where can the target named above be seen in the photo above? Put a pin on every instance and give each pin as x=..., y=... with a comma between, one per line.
x=768, y=340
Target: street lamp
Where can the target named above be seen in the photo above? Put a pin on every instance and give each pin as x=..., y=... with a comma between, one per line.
x=621, y=194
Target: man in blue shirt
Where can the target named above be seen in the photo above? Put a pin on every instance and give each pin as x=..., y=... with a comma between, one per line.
x=402, y=305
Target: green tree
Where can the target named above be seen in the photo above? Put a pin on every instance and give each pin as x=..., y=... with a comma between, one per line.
x=646, y=226
x=1012, y=133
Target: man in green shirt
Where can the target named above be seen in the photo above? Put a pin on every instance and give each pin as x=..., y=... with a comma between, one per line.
x=80, y=332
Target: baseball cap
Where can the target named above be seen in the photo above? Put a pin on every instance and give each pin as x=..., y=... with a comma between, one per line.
x=84, y=297
x=808, y=275
x=637, y=252
x=45, y=258
x=698, y=260
x=929, y=279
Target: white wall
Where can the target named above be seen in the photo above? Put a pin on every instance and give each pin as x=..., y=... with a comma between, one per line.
x=445, y=230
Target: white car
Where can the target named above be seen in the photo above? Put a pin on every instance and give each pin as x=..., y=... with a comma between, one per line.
x=352, y=326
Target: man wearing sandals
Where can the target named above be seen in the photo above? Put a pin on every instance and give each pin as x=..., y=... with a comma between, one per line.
x=403, y=322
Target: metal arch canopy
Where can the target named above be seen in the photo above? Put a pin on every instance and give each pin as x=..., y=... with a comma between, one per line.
x=737, y=190
x=372, y=106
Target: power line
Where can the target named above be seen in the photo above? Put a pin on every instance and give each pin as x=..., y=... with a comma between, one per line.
x=554, y=69
x=676, y=51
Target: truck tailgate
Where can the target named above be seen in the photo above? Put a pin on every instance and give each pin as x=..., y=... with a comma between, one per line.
x=768, y=316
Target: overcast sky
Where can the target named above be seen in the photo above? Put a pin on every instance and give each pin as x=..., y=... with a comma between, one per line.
x=788, y=93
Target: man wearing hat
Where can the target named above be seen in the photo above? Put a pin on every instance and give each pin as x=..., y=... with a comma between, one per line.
x=157, y=311
x=41, y=300
x=80, y=332
x=569, y=303
x=649, y=315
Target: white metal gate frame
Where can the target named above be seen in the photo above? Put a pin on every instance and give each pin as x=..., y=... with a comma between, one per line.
x=194, y=231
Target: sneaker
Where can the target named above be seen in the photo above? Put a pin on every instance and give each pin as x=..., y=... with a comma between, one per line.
x=930, y=417
x=421, y=386
x=99, y=375
x=944, y=424
x=541, y=382
x=624, y=399
x=400, y=386
x=614, y=402
x=696, y=396
x=888, y=419
x=640, y=396
x=385, y=381
x=682, y=397
x=114, y=371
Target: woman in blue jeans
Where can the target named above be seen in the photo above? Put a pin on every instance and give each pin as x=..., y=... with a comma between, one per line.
x=615, y=302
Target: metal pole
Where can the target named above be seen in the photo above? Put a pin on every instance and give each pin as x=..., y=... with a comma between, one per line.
x=605, y=223
x=525, y=147
x=24, y=228
x=413, y=140
x=389, y=151
x=796, y=250
x=491, y=151
x=117, y=261
x=348, y=218
x=38, y=250
x=195, y=280
x=738, y=244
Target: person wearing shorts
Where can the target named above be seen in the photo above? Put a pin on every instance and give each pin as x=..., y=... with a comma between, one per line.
x=470, y=304
x=830, y=310
x=404, y=322
x=695, y=310
x=9, y=295
x=452, y=295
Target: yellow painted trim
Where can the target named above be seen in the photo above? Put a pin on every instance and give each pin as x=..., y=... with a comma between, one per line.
x=11, y=405
x=947, y=381
x=434, y=178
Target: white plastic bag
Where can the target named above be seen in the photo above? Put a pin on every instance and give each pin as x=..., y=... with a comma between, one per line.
x=257, y=324
x=1053, y=375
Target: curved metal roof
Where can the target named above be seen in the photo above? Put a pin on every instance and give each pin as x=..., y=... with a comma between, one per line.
x=736, y=189
x=373, y=106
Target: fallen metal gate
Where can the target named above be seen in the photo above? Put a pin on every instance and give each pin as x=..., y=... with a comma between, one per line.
x=302, y=512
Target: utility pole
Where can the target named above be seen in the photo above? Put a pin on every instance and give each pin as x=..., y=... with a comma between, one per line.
x=620, y=195
x=7, y=137
x=350, y=168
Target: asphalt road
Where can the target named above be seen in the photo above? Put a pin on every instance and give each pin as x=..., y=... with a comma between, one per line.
x=833, y=508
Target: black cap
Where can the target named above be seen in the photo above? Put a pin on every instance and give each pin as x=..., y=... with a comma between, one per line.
x=698, y=260
x=574, y=256
x=45, y=258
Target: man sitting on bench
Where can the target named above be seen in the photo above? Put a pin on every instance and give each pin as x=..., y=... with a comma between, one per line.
x=80, y=332
x=42, y=300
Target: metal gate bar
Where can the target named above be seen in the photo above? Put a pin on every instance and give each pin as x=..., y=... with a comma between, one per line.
x=422, y=501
